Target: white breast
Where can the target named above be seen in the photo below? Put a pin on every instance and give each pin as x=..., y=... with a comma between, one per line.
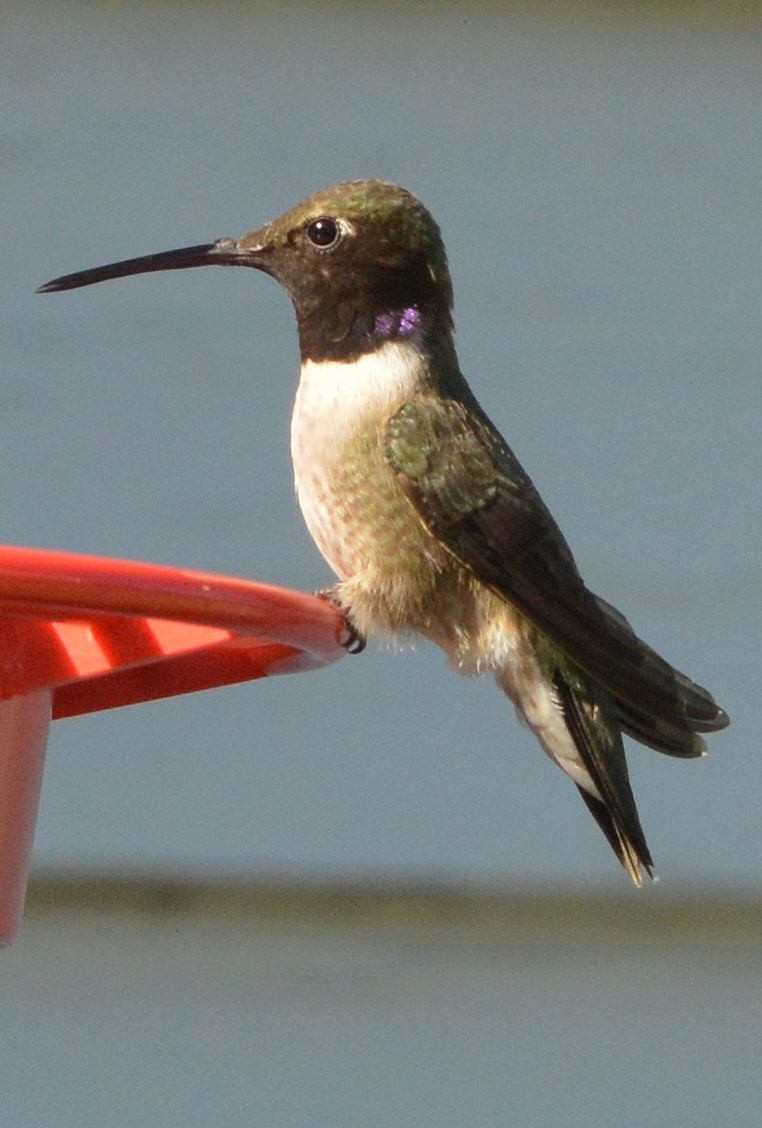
x=337, y=404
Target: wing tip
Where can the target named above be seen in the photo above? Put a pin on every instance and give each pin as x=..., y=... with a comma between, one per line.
x=712, y=719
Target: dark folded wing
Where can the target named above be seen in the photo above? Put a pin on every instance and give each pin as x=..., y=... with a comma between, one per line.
x=470, y=491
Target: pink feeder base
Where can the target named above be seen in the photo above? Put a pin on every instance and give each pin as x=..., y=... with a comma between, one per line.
x=83, y=633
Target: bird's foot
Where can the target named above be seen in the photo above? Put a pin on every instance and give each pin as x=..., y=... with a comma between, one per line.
x=353, y=641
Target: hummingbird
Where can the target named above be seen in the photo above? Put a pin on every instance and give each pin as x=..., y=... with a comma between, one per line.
x=422, y=510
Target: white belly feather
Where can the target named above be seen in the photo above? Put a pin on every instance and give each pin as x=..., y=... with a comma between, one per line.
x=338, y=407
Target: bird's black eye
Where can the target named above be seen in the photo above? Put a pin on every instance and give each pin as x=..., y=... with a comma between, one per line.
x=323, y=232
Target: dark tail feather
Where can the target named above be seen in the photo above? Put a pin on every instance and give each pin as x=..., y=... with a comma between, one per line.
x=631, y=858
x=591, y=719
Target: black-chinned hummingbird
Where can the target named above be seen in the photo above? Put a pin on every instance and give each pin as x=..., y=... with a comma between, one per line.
x=423, y=511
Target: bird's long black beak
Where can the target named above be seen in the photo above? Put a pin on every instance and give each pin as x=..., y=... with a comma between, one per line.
x=225, y=252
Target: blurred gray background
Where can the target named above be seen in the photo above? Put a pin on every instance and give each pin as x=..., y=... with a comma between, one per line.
x=595, y=169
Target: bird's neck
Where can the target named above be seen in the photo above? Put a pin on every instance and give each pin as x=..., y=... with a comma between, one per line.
x=337, y=395
x=348, y=328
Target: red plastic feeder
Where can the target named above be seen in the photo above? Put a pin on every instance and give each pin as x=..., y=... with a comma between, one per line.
x=82, y=633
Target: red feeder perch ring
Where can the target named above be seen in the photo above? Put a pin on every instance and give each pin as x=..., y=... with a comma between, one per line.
x=83, y=633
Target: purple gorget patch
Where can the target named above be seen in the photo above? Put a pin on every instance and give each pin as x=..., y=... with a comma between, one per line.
x=398, y=324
